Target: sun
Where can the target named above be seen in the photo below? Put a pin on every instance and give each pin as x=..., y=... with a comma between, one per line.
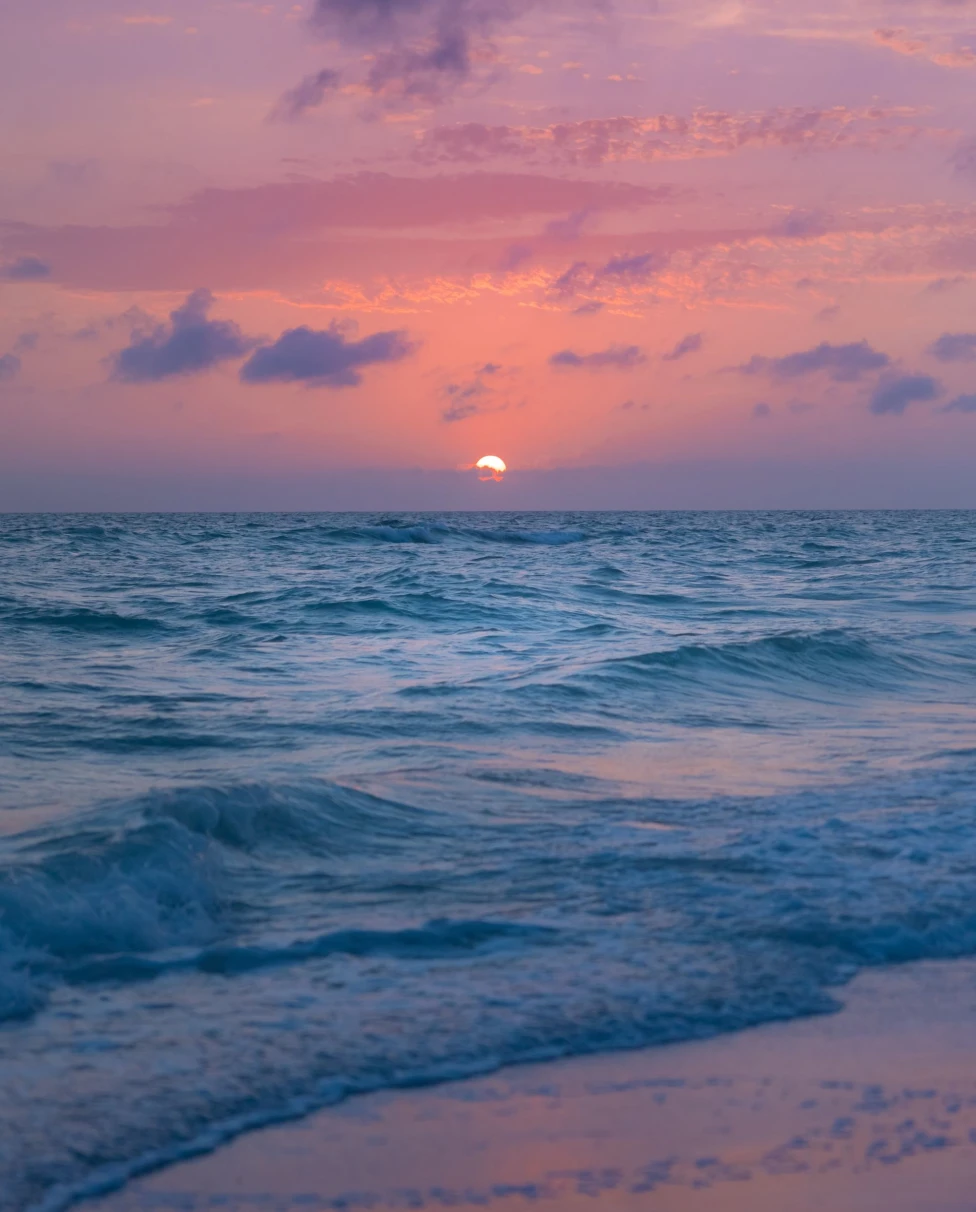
x=493, y=466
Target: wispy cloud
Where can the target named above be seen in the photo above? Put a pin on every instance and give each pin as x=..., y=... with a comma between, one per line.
x=308, y=94
x=690, y=344
x=481, y=392
x=842, y=363
x=595, y=141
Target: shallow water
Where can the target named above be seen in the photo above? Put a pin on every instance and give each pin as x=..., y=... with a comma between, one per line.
x=295, y=805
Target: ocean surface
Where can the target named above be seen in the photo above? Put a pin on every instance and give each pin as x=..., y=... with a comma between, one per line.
x=293, y=806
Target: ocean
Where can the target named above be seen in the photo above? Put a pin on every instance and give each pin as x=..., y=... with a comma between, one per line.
x=299, y=805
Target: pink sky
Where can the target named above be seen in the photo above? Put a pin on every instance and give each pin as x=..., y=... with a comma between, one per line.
x=277, y=240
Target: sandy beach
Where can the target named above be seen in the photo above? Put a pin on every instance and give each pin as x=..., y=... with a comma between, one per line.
x=870, y=1108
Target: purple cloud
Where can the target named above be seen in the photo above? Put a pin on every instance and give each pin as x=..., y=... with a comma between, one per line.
x=620, y=357
x=843, y=363
x=466, y=401
x=961, y=404
x=963, y=159
x=368, y=20
x=474, y=396
x=941, y=285
x=571, y=279
x=591, y=142
x=801, y=223
x=895, y=392
x=307, y=94
x=570, y=228
x=637, y=266
x=25, y=269
x=421, y=48
x=190, y=343
x=692, y=343
x=322, y=358
x=26, y=342
x=9, y=367
x=515, y=255
x=954, y=347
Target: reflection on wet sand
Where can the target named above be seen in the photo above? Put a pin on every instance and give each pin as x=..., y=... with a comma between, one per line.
x=874, y=1108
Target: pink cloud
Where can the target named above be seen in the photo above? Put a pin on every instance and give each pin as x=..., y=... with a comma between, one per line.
x=261, y=236
x=944, y=52
x=380, y=200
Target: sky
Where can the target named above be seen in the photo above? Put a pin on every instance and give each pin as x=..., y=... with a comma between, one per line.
x=683, y=253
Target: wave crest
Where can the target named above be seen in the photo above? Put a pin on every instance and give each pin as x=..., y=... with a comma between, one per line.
x=165, y=871
x=827, y=657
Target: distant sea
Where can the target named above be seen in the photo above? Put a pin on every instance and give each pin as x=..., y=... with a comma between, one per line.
x=294, y=806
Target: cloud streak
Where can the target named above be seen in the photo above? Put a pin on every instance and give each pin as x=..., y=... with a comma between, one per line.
x=616, y=357
x=475, y=396
x=624, y=269
x=842, y=363
x=690, y=344
x=309, y=93
x=964, y=403
x=378, y=200
x=626, y=138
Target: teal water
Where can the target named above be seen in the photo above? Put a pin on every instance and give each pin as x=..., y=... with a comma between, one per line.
x=297, y=805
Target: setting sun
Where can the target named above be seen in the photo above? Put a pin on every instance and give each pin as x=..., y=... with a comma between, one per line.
x=493, y=465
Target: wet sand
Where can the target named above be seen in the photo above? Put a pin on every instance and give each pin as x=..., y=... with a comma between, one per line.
x=872, y=1109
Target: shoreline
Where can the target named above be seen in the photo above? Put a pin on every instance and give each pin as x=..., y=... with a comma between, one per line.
x=873, y=1106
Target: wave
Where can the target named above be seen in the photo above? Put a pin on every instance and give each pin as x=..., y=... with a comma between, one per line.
x=82, y=619
x=402, y=534
x=545, y=538
x=829, y=658
x=501, y=1049
x=404, y=605
x=441, y=939
x=803, y=666
x=392, y=532
x=169, y=870
x=355, y=606
x=735, y=915
x=434, y=532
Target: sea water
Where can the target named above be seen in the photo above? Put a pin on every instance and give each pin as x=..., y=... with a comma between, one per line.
x=294, y=806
